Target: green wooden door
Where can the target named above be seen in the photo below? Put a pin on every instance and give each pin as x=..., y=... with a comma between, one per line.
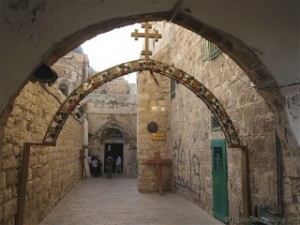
x=219, y=174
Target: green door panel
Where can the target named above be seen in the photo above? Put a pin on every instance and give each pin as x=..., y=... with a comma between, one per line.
x=219, y=174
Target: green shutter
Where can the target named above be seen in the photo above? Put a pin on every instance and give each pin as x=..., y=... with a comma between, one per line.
x=215, y=125
x=209, y=50
x=214, y=51
x=173, y=88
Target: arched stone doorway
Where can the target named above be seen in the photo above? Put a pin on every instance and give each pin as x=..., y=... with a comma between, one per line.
x=113, y=137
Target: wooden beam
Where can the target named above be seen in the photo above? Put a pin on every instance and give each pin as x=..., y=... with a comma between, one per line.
x=157, y=161
x=23, y=185
x=23, y=181
x=158, y=170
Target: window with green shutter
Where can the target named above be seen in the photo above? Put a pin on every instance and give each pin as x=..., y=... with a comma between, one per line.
x=215, y=125
x=172, y=88
x=209, y=50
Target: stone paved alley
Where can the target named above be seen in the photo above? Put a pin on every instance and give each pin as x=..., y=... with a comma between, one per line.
x=99, y=201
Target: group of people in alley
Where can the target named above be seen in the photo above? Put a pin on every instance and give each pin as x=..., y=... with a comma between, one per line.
x=96, y=165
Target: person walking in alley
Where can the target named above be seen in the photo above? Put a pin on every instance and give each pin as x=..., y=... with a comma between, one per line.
x=109, y=166
x=119, y=165
x=95, y=169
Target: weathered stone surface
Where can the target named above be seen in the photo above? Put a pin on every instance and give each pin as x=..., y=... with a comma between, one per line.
x=291, y=165
x=190, y=128
x=9, y=162
x=2, y=181
x=28, y=123
x=7, y=150
x=152, y=102
x=10, y=208
x=11, y=177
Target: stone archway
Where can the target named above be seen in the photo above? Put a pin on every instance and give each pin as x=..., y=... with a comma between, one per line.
x=116, y=134
x=112, y=124
x=137, y=66
x=242, y=54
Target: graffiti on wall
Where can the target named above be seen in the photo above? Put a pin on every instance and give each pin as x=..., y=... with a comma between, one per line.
x=186, y=176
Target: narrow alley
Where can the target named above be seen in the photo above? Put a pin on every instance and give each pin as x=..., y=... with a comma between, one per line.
x=115, y=201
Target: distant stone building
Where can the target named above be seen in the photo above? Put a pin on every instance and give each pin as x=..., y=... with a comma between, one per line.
x=110, y=110
x=72, y=70
x=112, y=114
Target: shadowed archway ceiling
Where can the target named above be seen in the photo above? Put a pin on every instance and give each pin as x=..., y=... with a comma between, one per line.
x=37, y=31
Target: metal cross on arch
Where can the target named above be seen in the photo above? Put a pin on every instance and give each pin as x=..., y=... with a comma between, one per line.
x=146, y=35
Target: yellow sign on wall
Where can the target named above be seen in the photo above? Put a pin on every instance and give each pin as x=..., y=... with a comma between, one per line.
x=158, y=136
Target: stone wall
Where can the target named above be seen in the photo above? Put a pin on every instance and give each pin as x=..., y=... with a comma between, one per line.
x=53, y=171
x=111, y=104
x=114, y=105
x=72, y=70
x=191, y=135
x=153, y=102
x=99, y=122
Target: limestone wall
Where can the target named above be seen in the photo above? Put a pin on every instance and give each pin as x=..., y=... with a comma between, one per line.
x=111, y=104
x=97, y=120
x=191, y=135
x=72, y=70
x=114, y=105
x=53, y=171
x=127, y=125
x=153, y=101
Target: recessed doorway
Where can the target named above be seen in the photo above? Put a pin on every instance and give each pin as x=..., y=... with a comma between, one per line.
x=113, y=150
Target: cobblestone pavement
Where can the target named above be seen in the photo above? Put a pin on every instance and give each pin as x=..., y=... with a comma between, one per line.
x=100, y=201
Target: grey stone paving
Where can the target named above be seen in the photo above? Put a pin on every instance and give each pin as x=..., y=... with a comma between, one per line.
x=100, y=201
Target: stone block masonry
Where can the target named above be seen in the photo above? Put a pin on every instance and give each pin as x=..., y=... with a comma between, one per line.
x=190, y=132
x=152, y=107
x=53, y=171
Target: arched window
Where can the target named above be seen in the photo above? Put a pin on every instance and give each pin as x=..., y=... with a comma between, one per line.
x=64, y=89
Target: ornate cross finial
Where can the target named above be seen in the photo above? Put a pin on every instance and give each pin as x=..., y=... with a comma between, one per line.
x=146, y=35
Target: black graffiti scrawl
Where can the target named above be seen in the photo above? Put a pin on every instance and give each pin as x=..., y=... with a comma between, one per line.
x=186, y=170
x=196, y=165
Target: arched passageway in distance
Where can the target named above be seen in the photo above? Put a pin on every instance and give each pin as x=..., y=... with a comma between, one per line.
x=111, y=124
x=115, y=138
x=137, y=66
